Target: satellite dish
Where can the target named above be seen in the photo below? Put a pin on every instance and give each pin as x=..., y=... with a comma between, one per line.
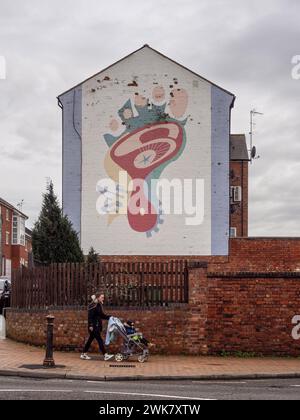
x=253, y=152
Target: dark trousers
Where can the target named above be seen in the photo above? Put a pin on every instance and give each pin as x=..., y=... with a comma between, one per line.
x=145, y=341
x=94, y=335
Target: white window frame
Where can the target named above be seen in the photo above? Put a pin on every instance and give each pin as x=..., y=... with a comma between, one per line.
x=233, y=232
x=15, y=230
x=18, y=230
x=236, y=194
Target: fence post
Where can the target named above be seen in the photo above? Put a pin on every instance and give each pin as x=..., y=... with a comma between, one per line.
x=49, y=361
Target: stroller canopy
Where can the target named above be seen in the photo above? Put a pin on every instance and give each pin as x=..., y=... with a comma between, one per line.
x=115, y=327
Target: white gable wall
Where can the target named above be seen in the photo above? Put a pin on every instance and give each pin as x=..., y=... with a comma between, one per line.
x=206, y=157
x=174, y=237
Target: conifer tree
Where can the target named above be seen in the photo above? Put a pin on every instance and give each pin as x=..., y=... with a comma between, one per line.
x=93, y=256
x=54, y=239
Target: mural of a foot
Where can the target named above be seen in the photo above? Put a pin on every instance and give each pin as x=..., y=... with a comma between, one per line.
x=150, y=141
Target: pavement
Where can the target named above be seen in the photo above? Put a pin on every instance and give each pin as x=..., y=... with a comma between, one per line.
x=17, y=359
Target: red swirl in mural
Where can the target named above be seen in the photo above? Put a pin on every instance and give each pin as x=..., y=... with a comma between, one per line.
x=140, y=153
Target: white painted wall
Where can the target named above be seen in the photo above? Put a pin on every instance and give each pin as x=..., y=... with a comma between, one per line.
x=100, y=103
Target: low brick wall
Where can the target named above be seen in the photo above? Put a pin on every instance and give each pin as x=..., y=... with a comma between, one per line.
x=173, y=330
x=244, y=302
x=163, y=327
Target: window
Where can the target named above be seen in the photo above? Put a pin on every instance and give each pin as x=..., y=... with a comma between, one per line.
x=18, y=230
x=7, y=238
x=22, y=239
x=22, y=231
x=15, y=230
x=236, y=194
x=7, y=215
x=233, y=232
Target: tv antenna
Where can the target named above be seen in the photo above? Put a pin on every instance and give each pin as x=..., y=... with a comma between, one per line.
x=253, y=150
x=20, y=204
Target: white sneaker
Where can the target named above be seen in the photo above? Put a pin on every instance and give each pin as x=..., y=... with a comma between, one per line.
x=84, y=356
x=108, y=356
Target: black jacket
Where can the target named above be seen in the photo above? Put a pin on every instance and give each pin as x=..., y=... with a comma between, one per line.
x=95, y=316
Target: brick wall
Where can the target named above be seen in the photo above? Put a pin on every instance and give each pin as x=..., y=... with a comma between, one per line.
x=253, y=314
x=269, y=254
x=164, y=327
x=246, y=312
x=239, y=215
x=10, y=255
x=245, y=254
x=244, y=303
x=6, y=250
x=175, y=330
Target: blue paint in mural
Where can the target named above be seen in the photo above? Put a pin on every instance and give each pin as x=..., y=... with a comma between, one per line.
x=72, y=131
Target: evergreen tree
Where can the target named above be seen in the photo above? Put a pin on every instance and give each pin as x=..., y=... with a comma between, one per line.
x=53, y=238
x=92, y=257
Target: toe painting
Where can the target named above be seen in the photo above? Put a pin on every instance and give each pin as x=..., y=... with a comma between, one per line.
x=151, y=141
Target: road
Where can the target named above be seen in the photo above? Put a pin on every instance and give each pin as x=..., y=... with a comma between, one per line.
x=36, y=389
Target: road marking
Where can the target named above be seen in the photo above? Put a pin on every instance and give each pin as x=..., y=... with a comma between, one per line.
x=217, y=382
x=295, y=386
x=138, y=394
x=95, y=382
x=35, y=390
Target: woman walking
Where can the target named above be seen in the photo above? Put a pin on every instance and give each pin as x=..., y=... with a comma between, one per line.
x=95, y=317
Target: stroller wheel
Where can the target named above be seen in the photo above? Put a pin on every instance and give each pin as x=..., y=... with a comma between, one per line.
x=141, y=359
x=119, y=357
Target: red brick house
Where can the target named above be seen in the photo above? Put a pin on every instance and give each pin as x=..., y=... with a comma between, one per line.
x=15, y=239
x=239, y=161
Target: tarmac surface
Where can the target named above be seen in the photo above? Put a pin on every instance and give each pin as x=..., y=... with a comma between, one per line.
x=15, y=388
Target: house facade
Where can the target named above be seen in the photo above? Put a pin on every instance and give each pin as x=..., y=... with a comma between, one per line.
x=238, y=179
x=15, y=242
x=147, y=160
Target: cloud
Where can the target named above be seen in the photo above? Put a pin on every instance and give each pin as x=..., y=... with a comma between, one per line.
x=244, y=47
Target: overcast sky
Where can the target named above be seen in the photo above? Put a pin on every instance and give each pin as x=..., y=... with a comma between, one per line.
x=243, y=46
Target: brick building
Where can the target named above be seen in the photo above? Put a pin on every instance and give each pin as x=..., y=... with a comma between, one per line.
x=15, y=239
x=239, y=162
x=156, y=121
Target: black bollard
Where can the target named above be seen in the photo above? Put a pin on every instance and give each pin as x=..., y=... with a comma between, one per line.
x=49, y=361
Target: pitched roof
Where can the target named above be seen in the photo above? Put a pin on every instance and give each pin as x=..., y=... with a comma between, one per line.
x=11, y=207
x=28, y=232
x=238, y=147
x=162, y=55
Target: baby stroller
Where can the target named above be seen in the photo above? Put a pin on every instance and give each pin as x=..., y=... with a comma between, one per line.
x=132, y=346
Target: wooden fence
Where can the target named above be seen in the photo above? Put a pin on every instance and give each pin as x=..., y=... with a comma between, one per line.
x=124, y=284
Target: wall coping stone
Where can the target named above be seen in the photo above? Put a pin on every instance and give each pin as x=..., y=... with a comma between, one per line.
x=253, y=274
x=108, y=308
